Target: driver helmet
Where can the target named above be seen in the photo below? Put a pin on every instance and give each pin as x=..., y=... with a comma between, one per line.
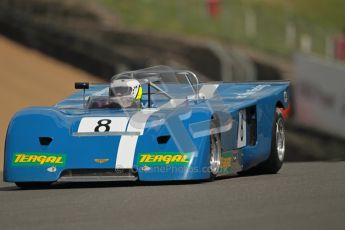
x=126, y=92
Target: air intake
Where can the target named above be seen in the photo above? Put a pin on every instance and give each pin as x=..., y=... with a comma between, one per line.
x=163, y=139
x=45, y=140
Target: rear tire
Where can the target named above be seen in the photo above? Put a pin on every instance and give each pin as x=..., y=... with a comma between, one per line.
x=33, y=185
x=275, y=161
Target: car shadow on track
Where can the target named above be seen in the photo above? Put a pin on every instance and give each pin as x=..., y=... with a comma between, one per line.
x=115, y=184
x=79, y=185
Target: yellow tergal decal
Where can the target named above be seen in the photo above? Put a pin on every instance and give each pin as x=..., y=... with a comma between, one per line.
x=38, y=159
x=163, y=159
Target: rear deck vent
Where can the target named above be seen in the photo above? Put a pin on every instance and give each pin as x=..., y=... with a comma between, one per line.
x=45, y=140
x=163, y=139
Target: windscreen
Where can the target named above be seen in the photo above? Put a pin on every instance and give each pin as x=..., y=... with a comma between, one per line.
x=177, y=83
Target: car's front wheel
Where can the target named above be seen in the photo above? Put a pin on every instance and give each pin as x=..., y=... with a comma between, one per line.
x=275, y=161
x=215, y=149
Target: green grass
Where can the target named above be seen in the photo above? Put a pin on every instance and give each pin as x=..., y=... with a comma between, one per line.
x=318, y=18
x=326, y=13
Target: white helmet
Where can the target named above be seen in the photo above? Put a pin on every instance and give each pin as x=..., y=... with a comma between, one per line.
x=125, y=91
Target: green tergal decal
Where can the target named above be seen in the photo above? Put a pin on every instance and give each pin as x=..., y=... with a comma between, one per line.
x=169, y=158
x=38, y=159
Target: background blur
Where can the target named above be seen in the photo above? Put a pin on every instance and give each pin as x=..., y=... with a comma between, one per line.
x=46, y=45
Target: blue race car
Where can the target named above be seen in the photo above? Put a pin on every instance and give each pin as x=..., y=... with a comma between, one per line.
x=155, y=124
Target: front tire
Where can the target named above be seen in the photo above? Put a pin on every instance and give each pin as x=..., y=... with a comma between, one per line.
x=215, y=149
x=275, y=161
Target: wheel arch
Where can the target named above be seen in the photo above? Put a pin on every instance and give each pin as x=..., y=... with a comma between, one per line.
x=280, y=105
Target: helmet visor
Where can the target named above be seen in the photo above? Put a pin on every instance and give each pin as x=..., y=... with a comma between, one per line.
x=120, y=91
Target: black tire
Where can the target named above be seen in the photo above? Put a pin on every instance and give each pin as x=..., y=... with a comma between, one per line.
x=33, y=185
x=275, y=161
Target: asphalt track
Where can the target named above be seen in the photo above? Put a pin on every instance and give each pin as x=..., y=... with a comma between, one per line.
x=301, y=196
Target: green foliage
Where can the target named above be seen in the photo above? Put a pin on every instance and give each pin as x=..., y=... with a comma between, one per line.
x=317, y=18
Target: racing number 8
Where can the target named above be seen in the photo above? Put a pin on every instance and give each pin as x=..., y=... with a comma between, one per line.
x=103, y=123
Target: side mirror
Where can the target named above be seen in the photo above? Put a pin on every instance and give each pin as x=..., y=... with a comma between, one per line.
x=81, y=85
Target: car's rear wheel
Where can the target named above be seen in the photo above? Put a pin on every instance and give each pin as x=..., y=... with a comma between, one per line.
x=33, y=185
x=215, y=149
x=275, y=161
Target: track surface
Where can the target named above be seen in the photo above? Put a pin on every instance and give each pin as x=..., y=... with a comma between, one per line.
x=301, y=196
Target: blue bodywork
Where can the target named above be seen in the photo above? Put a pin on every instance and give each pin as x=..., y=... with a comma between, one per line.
x=185, y=127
